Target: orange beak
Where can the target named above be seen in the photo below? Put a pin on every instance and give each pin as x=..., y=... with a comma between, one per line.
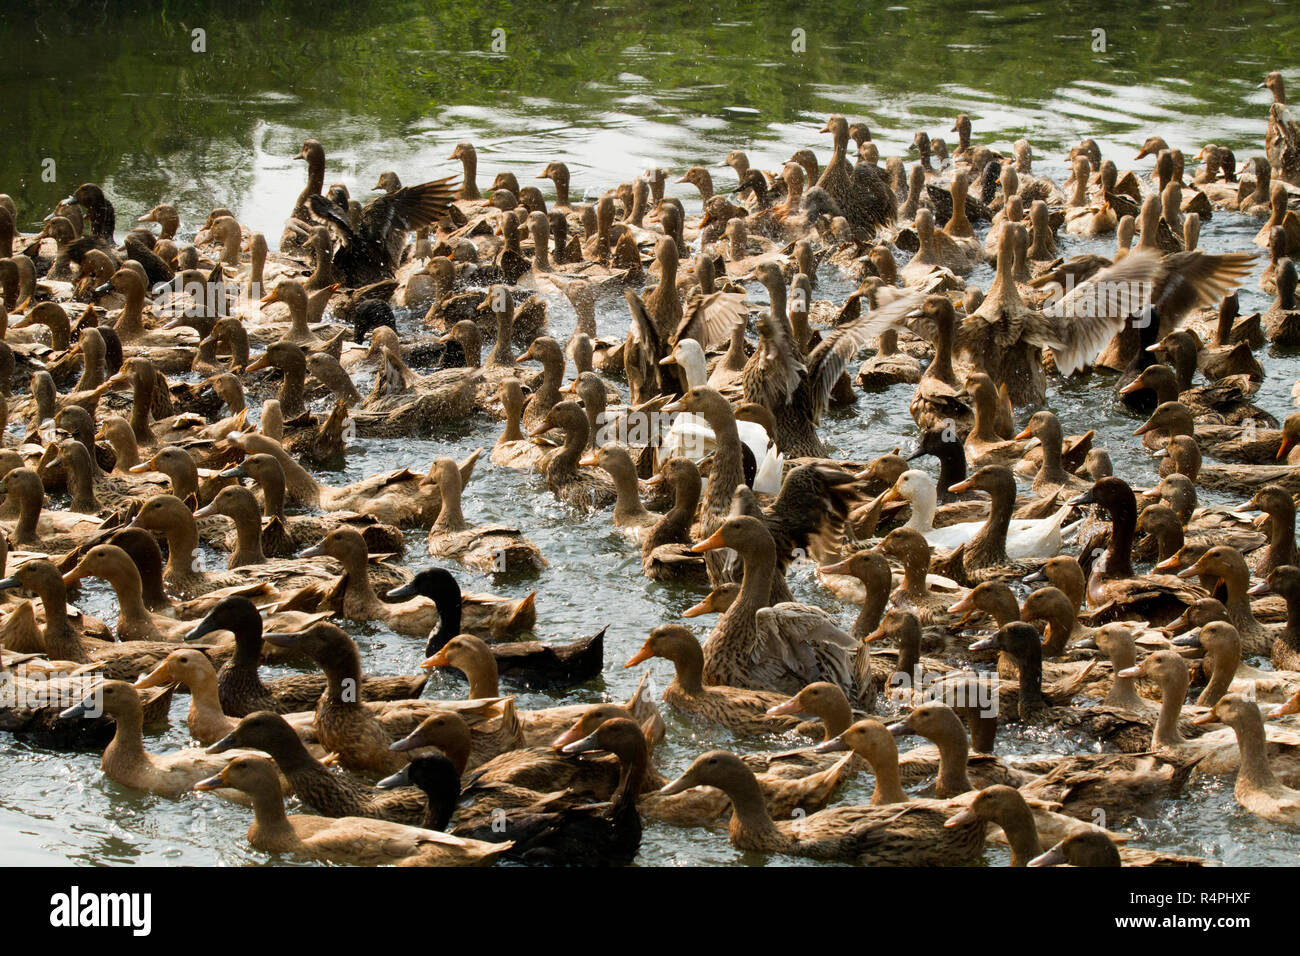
x=641, y=656
x=1170, y=563
x=1287, y=444
x=437, y=660
x=1024, y=434
x=711, y=543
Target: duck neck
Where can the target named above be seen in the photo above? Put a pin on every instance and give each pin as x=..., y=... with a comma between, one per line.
x=728, y=471
x=1290, y=634
x=916, y=569
x=1281, y=544
x=1225, y=663
x=182, y=547
x=126, y=749
x=292, y=386
x=129, y=323
x=1119, y=553
x=62, y=642
x=1123, y=690
x=872, y=610
x=627, y=506
x=141, y=401
x=1167, y=733
x=992, y=537
x=751, y=824
x=1022, y=833
x=689, y=665
x=248, y=538
x=450, y=517
x=448, y=627
x=953, y=751
x=941, y=365
x=501, y=353
x=986, y=411
x=1060, y=625
x=271, y=830
x=130, y=596
x=1252, y=742
x=889, y=785
x=482, y=677
x=1031, y=683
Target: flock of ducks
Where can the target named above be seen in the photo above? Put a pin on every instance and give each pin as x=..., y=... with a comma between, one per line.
x=1007, y=590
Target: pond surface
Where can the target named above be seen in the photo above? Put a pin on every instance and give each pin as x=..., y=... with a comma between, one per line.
x=117, y=94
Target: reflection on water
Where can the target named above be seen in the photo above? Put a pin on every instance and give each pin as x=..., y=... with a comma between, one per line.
x=119, y=97
x=116, y=95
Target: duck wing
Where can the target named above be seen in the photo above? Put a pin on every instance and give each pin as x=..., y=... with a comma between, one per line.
x=797, y=645
x=711, y=318
x=828, y=360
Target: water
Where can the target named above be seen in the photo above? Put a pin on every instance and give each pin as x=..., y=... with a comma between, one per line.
x=117, y=95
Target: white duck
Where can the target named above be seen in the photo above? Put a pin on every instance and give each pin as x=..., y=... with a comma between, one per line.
x=1026, y=537
x=690, y=435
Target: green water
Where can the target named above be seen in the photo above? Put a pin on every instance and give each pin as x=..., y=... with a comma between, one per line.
x=115, y=94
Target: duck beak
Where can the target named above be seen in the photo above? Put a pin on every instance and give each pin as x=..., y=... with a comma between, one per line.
x=316, y=551
x=437, y=660
x=411, y=741
x=1144, y=428
x=1209, y=717
x=1191, y=639
x=677, y=786
x=9, y=582
x=961, y=819
x=641, y=656
x=225, y=743
x=963, y=606
x=1053, y=857
x=1191, y=572
x=834, y=745
x=400, y=779
x=257, y=364
x=1171, y=563
x=669, y=360
x=574, y=733
x=217, y=782
x=989, y=643
x=541, y=429
x=589, y=460
x=1256, y=589
x=655, y=480
x=790, y=706
x=1024, y=434
x=86, y=708
x=582, y=746
x=288, y=640
x=712, y=543
x=960, y=487
x=1287, y=444
x=704, y=607
x=207, y=511
x=840, y=567
x=1129, y=672
x=900, y=729
x=156, y=677
x=1084, y=499
x=402, y=592
x=236, y=471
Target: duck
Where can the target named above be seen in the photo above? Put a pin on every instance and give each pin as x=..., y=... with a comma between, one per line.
x=874, y=835
x=742, y=711
x=125, y=760
x=630, y=514
x=324, y=791
x=1156, y=598
x=1026, y=537
x=355, y=840
x=1217, y=751
x=240, y=688
x=192, y=668
x=665, y=545
x=514, y=449
x=533, y=662
x=1285, y=580
x=473, y=658
x=396, y=497
x=583, y=489
x=1257, y=788
x=1228, y=566
x=402, y=402
x=488, y=548
x=989, y=549
x=744, y=648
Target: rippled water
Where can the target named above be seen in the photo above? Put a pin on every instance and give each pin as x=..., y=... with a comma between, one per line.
x=117, y=96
